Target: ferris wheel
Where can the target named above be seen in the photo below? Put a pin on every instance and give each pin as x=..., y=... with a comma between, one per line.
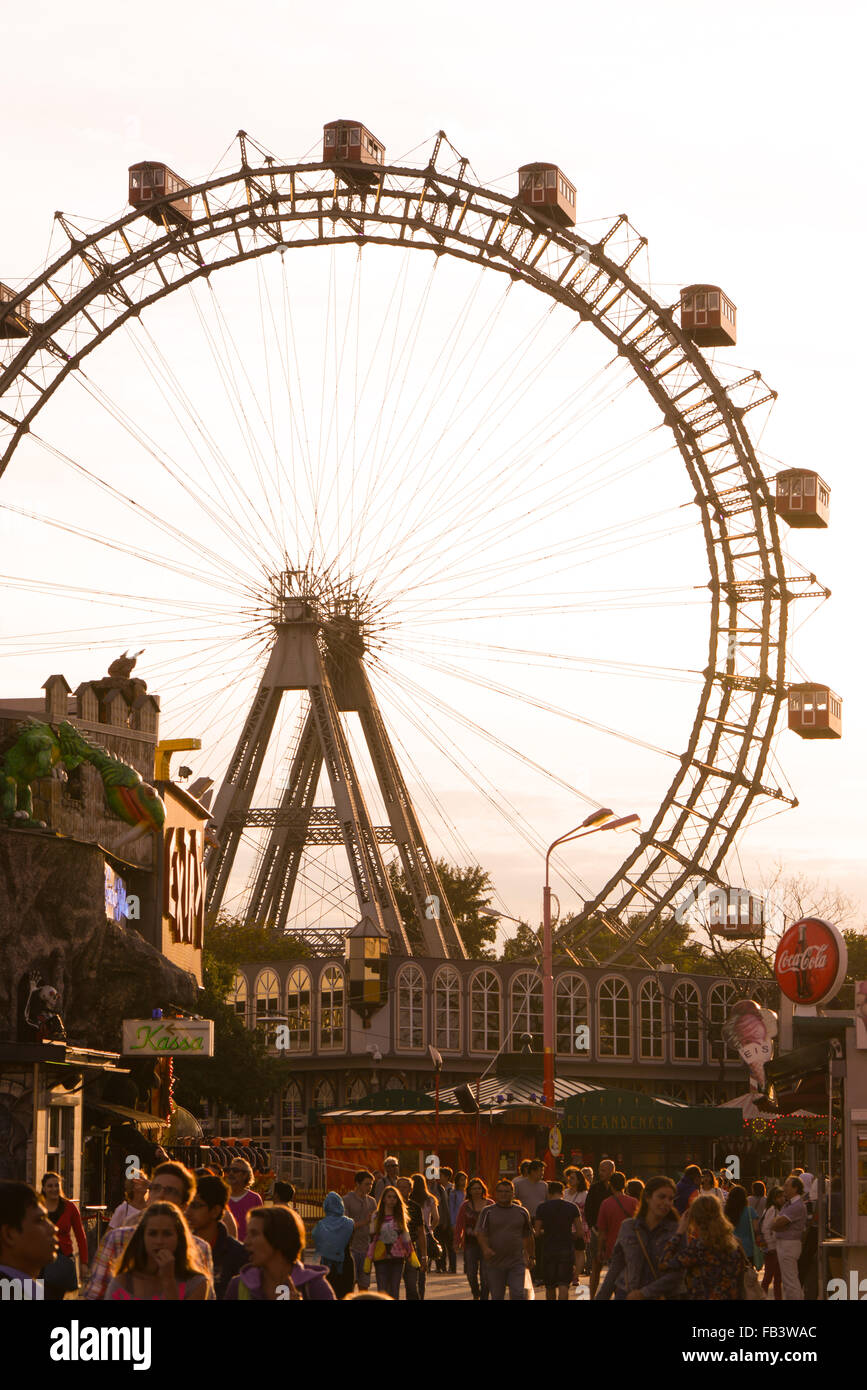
x=461, y=466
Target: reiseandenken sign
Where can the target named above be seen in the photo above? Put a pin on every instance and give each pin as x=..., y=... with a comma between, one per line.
x=168, y=1037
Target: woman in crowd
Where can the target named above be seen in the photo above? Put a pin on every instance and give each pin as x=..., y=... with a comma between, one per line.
x=739, y=1214
x=634, y=1270
x=391, y=1246
x=160, y=1261
x=275, y=1240
x=467, y=1240
x=59, y=1276
x=330, y=1238
x=758, y=1201
x=242, y=1198
x=575, y=1191
x=135, y=1191
x=709, y=1187
x=768, y=1241
x=704, y=1249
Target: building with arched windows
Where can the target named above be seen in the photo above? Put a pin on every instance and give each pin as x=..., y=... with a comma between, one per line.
x=657, y=1034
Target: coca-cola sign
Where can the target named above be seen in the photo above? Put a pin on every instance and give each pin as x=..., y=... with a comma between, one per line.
x=811, y=961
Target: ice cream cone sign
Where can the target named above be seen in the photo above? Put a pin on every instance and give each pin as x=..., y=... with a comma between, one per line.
x=751, y=1030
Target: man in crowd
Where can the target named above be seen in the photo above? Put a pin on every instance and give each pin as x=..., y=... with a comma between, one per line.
x=558, y=1222
x=595, y=1197
x=205, y=1216
x=789, y=1229
x=612, y=1213
x=531, y=1190
x=171, y=1182
x=688, y=1187
x=392, y=1170
x=414, y=1279
x=28, y=1238
x=505, y=1237
x=360, y=1207
x=444, y=1232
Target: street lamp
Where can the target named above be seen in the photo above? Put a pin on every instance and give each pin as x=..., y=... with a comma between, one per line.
x=597, y=820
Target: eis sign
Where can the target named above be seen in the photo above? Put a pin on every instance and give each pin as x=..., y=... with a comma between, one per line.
x=811, y=961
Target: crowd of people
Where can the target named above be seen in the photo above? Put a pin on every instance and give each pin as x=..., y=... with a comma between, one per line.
x=186, y=1236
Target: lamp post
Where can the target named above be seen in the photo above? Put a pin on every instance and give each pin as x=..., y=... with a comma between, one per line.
x=598, y=820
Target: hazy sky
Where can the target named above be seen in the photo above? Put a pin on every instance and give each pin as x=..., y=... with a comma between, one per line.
x=735, y=146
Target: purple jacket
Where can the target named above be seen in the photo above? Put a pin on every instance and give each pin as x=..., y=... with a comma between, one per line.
x=309, y=1280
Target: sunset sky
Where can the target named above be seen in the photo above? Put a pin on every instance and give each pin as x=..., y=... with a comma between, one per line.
x=733, y=141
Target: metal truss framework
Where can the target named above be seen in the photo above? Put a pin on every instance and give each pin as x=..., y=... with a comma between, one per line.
x=107, y=278
x=332, y=675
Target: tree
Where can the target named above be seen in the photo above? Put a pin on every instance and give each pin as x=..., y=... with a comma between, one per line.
x=468, y=893
x=526, y=944
x=240, y=1075
x=232, y=941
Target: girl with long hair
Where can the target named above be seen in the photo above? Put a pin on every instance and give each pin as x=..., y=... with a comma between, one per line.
x=768, y=1241
x=60, y=1277
x=391, y=1246
x=160, y=1260
x=634, y=1270
x=706, y=1251
x=710, y=1187
x=466, y=1238
x=135, y=1191
x=739, y=1213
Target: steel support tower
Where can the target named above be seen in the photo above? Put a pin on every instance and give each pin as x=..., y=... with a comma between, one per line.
x=318, y=647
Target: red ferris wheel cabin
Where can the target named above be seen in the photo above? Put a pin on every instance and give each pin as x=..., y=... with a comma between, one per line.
x=149, y=182
x=707, y=316
x=349, y=142
x=544, y=190
x=815, y=711
x=802, y=498
x=13, y=325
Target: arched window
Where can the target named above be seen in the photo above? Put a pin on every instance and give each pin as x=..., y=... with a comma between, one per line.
x=268, y=1005
x=298, y=1009
x=238, y=996
x=331, y=1019
x=572, y=1013
x=720, y=1002
x=294, y=1123
x=615, y=1019
x=410, y=1007
x=526, y=1008
x=650, y=1012
x=485, y=1012
x=686, y=1022
x=447, y=1009
x=323, y=1095
x=355, y=1090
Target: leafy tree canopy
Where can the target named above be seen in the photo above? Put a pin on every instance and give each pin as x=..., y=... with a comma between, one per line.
x=468, y=892
x=232, y=941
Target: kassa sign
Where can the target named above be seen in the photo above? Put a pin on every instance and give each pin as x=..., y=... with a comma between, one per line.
x=811, y=960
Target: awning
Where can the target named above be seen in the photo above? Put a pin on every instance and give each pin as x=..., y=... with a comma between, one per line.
x=615, y=1111
x=182, y=1125
x=148, y=1124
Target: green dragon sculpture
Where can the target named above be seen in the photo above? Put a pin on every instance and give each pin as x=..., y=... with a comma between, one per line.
x=41, y=751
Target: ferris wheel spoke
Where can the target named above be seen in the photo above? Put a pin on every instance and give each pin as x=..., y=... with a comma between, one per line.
x=522, y=656
x=522, y=696
x=170, y=467
x=456, y=754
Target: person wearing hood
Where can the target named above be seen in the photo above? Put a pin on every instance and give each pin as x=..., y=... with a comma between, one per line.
x=330, y=1239
x=275, y=1239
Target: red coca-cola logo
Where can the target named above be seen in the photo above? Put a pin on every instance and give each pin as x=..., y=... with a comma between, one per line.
x=811, y=961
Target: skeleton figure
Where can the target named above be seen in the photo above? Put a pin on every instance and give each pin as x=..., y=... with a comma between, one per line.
x=42, y=1012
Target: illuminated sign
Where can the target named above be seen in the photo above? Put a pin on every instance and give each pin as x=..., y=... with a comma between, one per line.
x=161, y=1037
x=120, y=906
x=811, y=960
x=184, y=885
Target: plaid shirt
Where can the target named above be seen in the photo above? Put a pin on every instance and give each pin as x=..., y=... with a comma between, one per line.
x=113, y=1247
